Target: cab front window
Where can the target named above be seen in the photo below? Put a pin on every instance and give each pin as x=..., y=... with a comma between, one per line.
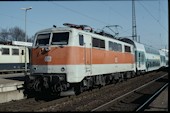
x=60, y=38
x=43, y=39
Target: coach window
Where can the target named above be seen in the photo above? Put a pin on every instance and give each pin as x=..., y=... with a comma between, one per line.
x=5, y=51
x=22, y=52
x=164, y=59
x=81, y=40
x=139, y=56
x=15, y=51
x=142, y=57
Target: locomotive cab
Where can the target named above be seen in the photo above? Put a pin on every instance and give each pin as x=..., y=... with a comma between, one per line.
x=56, y=59
x=49, y=50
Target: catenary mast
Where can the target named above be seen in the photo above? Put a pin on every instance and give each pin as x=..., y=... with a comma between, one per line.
x=134, y=33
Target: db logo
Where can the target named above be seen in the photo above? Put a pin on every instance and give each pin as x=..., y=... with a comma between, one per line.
x=47, y=59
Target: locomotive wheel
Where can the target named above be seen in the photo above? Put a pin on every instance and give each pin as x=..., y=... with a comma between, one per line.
x=37, y=85
x=133, y=74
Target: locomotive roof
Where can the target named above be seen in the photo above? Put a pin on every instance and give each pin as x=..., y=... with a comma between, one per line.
x=69, y=29
x=54, y=29
x=11, y=46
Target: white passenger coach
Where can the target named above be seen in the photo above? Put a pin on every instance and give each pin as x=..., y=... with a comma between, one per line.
x=12, y=56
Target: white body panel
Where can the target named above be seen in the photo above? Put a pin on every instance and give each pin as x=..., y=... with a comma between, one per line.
x=76, y=73
x=153, y=57
x=141, y=48
x=163, y=61
x=13, y=58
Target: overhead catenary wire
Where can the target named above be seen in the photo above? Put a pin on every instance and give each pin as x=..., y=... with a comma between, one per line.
x=30, y=21
x=80, y=13
x=124, y=18
x=87, y=16
x=97, y=20
x=152, y=16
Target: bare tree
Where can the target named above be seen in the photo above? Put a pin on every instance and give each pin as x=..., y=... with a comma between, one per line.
x=17, y=34
x=14, y=34
x=4, y=35
x=31, y=39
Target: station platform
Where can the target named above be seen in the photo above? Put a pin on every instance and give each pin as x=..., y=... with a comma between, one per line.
x=11, y=89
x=160, y=103
x=10, y=85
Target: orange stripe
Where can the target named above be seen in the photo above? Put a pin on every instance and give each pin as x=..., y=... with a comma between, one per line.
x=76, y=55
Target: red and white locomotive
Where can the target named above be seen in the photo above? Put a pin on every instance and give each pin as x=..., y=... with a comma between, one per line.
x=75, y=58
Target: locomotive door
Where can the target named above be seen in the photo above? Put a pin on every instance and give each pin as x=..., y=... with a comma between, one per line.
x=87, y=54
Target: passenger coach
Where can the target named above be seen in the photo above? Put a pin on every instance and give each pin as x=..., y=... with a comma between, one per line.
x=12, y=58
x=147, y=58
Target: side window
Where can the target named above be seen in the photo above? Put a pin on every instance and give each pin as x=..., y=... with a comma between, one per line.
x=5, y=51
x=127, y=49
x=120, y=47
x=15, y=51
x=98, y=43
x=102, y=44
x=60, y=38
x=115, y=47
x=81, y=40
x=95, y=42
x=110, y=45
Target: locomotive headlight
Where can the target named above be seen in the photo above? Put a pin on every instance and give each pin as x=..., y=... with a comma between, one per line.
x=34, y=68
x=47, y=49
x=62, y=69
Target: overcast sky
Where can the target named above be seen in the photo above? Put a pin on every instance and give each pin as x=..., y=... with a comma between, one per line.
x=151, y=17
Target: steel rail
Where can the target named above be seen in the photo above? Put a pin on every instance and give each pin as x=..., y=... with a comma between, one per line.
x=150, y=99
x=127, y=93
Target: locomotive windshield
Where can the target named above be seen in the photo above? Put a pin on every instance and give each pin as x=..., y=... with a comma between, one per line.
x=43, y=39
x=57, y=39
x=60, y=38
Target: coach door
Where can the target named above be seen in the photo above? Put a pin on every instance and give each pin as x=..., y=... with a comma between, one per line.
x=87, y=53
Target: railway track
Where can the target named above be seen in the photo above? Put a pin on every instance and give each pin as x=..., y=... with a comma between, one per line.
x=138, y=98
x=87, y=101
x=144, y=105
